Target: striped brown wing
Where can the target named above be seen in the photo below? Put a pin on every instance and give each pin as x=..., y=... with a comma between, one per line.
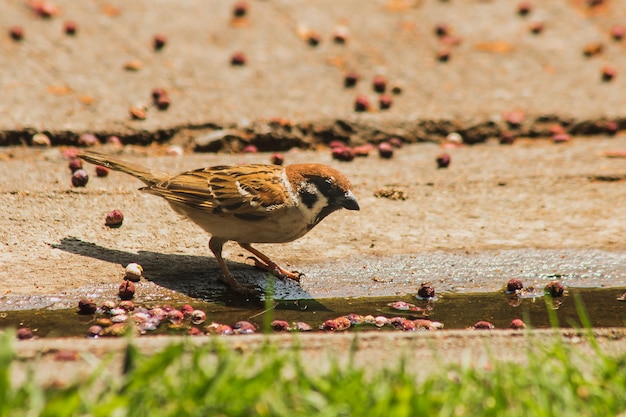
x=246, y=190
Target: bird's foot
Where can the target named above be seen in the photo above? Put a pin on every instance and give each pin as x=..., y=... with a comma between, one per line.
x=277, y=270
x=243, y=289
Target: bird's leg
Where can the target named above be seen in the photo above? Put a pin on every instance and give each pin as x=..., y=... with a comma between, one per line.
x=216, y=245
x=266, y=264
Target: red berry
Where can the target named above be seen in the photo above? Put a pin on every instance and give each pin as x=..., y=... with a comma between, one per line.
x=101, y=171
x=114, y=218
x=80, y=178
x=158, y=41
x=361, y=103
x=277, y=159
x=75, y=164
x=70, y=27
x=385, y=150
x=16, y=33
x=443, y=160
x=126, y=290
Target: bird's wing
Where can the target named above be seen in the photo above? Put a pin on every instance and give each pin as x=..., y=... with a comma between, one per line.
x=245, y=190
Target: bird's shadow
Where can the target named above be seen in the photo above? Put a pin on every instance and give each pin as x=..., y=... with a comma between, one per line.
x=190, y=275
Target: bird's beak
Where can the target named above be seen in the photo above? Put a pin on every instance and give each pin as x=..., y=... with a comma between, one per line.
x=349, y=201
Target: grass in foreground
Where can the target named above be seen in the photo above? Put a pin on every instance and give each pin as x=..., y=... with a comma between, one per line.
x=185, y=380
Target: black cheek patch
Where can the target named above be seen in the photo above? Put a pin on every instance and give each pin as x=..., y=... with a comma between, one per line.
x=308, y=199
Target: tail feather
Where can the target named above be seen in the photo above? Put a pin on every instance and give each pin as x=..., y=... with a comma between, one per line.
x=149, y=177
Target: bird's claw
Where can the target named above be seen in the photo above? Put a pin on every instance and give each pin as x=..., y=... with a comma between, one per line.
x=276, y=270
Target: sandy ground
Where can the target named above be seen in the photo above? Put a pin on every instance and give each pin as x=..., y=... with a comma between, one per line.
x=534, y=210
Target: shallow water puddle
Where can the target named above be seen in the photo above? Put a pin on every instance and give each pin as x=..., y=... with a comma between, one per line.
x=455, y=311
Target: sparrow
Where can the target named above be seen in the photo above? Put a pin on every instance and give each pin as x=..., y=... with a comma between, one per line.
x=253, y=203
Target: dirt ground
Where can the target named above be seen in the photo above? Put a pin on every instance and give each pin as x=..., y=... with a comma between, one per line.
x=534, y=210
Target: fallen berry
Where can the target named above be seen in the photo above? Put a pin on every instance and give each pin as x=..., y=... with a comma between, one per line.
x=86, y=306
x=126, y=290
x=277, y=158
x=385, y=150
x=443, y=160
x=361, y=103
x=517, y=324
x=80, y=178
x=350, y=79
x=514, y=285
x=114, y=218
x=16, y=33
x=379, y=84
x=158, y=41
x=70, y=27
x=238, y=59
x=75, y=164
x=384, y=101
